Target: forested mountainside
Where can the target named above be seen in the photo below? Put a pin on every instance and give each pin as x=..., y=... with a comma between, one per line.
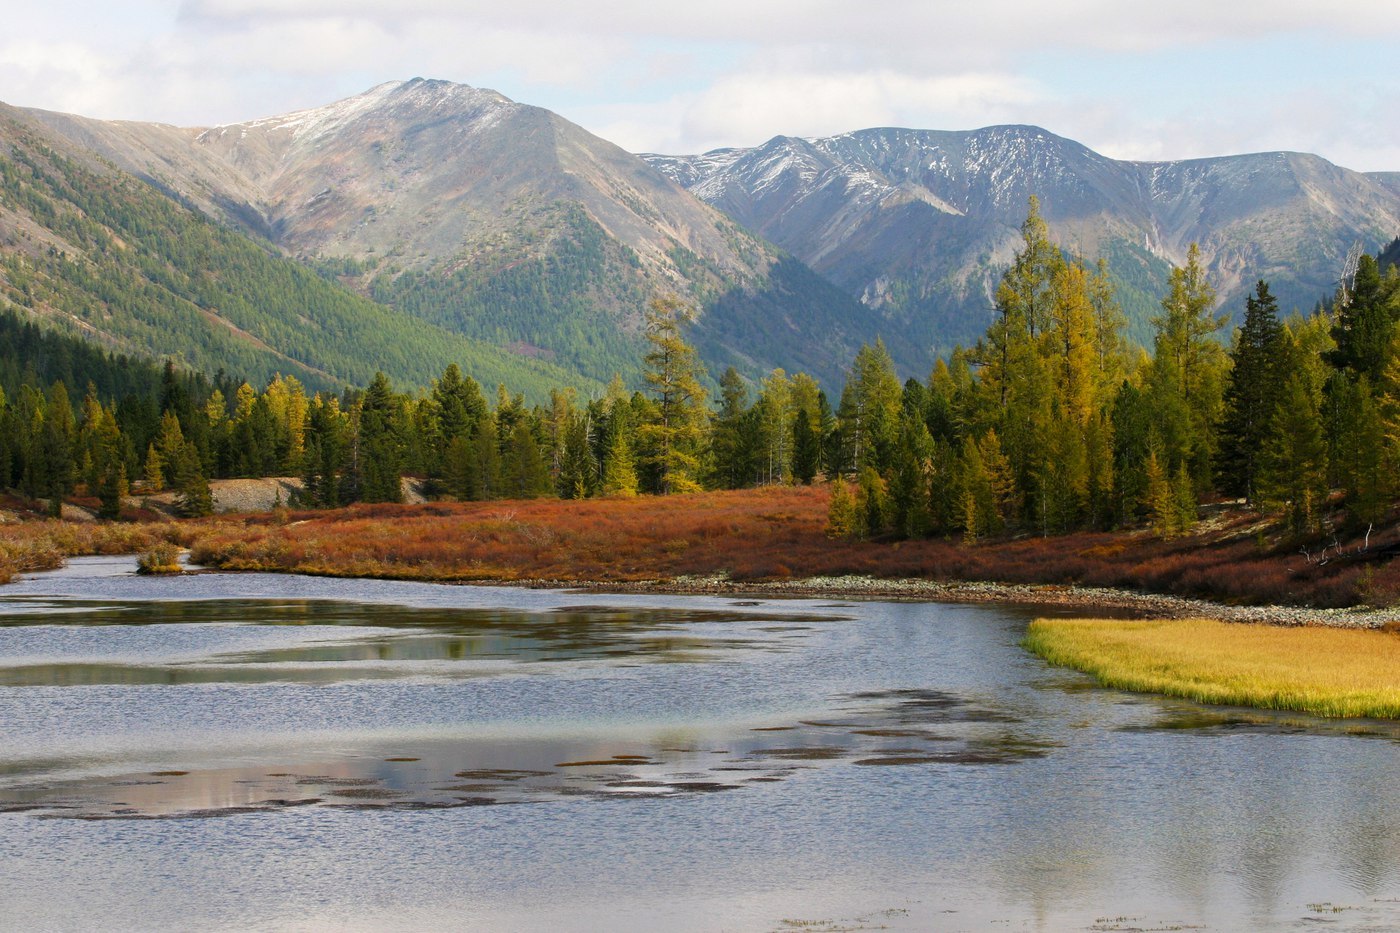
x=500, y=221
x=88, y=250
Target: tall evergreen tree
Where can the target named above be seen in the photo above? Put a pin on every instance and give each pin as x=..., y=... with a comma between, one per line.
x=674, y=374
x=1293, y=467
x=524, y=472
x=381, y=442
x=868, y=416
x=1188, y=366
x=1365, y=322
x=1251, y=393
x=731, y=440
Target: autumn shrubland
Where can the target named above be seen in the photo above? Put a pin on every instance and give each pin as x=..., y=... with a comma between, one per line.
x=27, y=546
x=1324, y=671
x=777, y=533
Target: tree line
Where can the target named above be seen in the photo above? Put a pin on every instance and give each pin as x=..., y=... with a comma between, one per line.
x=1052, y=422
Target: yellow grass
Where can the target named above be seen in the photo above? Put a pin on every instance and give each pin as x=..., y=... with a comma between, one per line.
x=1324, y=671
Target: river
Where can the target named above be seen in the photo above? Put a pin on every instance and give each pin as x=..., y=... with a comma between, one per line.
x=277, y=752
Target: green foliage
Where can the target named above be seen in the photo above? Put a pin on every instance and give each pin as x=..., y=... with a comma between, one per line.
x=1293, y=466
x=680, y=426
x=585, y=279
x=842, y=520
x=1251, y=393
x=160, y=279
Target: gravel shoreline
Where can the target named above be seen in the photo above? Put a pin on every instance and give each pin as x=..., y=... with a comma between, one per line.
x=1145, y=605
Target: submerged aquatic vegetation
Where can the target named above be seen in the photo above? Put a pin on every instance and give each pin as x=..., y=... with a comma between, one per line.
x=1325, y=671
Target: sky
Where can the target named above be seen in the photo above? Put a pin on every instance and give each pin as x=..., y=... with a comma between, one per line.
x=1170, y=80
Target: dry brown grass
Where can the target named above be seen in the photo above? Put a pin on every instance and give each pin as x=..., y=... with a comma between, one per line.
x=757, y=534
x=27, y=546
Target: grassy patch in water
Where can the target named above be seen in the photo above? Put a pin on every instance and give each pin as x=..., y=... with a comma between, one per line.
x=164, y=558
x=1324, y=671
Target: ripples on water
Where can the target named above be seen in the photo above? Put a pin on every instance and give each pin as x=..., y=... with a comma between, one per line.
x=414, y=756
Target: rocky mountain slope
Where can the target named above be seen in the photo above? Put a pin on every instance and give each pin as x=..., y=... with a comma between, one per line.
x=498, y=221
x=89, y=250
x=917, y=223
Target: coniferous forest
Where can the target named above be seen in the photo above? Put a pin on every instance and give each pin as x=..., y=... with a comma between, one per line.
x=1052, y=422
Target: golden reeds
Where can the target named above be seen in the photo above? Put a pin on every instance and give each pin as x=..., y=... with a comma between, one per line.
x=1325, y=671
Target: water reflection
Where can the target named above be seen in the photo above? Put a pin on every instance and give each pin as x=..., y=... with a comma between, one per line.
x=403, y=640
x=630, y=762
x=869, y=729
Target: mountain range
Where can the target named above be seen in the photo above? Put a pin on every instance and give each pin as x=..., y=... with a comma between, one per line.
x=424, y=221
x=920, y=223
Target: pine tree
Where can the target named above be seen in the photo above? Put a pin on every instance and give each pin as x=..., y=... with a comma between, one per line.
x=56, y=447
x=872, y=503
x=457, y=466
x=731, y=441
x=806, y=450
x=868, y=416
x=381, y=443
x=110, y=490
x=576, y=467
x=1183, y=494
x=195, y=498
x=485, y=461
x=524, y=473
x=1361, y=457
x=1251, y=393
x=1365, y=323
x=1187, y=381
x=1161, y=503
x=154, y=471
x=1293, y=465
x=674, y=373
x=910, y=485
x=841, y=518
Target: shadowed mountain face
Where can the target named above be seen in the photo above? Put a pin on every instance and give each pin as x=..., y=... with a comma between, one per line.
x=498, y=221
x=918, y=223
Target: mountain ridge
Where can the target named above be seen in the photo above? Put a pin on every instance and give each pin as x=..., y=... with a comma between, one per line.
x=431, y=182
x=461, y=211
x=917, y=222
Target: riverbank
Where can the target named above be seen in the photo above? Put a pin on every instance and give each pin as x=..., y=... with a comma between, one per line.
x=772, y=541
x=1103, y=600
x=1325, y=672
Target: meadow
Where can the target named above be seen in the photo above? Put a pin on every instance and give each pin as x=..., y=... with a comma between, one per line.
x=1324, y=671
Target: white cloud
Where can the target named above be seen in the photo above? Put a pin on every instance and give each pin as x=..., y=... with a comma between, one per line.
x=682, y=77
x=756, y=106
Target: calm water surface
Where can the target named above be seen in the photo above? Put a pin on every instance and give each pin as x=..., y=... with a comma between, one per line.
x=249, y=751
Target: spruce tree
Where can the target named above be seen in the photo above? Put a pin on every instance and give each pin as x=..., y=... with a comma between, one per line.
x=731, y=441
x=1251, y=393
x=195, y=498
x=1365, y=322
x=524, y=473
x=576, y=467
x=1293, y=467
x=381, y=443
